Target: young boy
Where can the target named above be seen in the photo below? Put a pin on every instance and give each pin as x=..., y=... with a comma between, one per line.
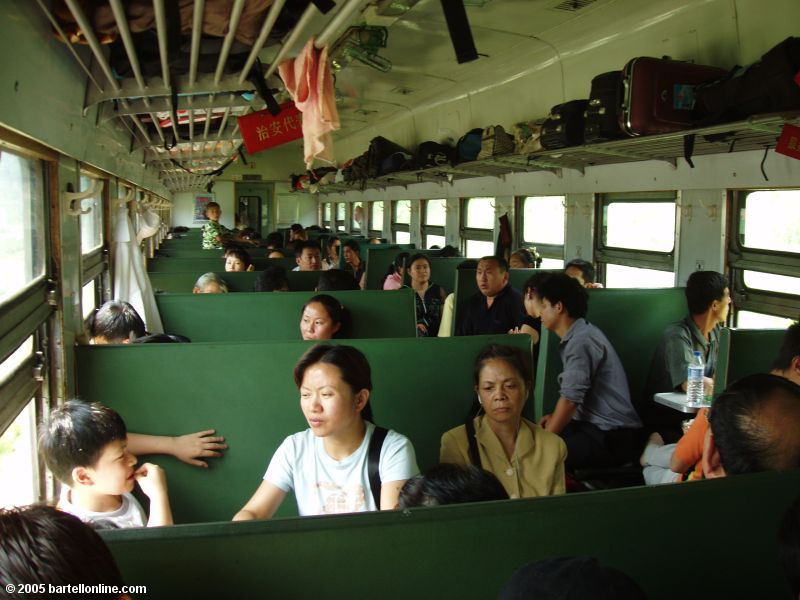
x=85, y=446
x=594, y=414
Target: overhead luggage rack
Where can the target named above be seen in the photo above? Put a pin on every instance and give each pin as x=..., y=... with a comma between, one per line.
x=756, y=133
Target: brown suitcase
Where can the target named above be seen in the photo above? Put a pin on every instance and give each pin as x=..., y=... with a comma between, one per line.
x=658, y=94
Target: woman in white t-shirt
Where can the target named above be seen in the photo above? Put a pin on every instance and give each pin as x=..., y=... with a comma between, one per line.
x=327, y=465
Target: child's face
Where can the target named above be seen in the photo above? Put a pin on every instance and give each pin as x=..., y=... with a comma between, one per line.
x=328, y=403
x=112, y=474
x=234, y=263
x=213, y=213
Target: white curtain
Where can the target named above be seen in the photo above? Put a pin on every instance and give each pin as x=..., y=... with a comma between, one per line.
x=131, y=282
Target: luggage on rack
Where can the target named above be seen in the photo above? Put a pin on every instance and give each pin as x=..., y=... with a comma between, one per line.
x=601, y=117
x=527, y=136
x=469, y=145
x=658, y=94
x=495, y=142
x=770, y=85
x=384, y=156
x=564, y=126
x=432, y=154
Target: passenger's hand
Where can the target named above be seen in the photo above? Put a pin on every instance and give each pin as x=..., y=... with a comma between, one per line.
x=423, y=329
x=203, y=444
x=152, y=479
x=543, y=421
x=593, y=285
x=515, y=330
x=251, y=268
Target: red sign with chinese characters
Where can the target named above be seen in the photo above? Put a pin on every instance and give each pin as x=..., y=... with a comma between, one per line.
x=261, y=130
x=789, y=142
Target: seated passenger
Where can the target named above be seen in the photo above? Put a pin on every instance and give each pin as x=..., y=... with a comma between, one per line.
x=335, y=279
x=755, y=426
x=210, y=283
x=532, y=325
x=307, y=256
x=354, y=265
x=216, y=235
x=448, y=308
x=331, y=260
x=324, y=318
x=238, y=260
x=570, y=577
x=274, y=240
x=525, y=258
x=498, y=307
x=393, y=279
x=116, y=322
x=708, y=298
x=297, y=233
x=85, y=446
x=429, y=297
x=277, y=253
x=594, y=413
x=527, y=460
x=787, y=363
x=43, y=546
x=328, y=465
x=272, y=279
x=451, y=484
x=583, y=271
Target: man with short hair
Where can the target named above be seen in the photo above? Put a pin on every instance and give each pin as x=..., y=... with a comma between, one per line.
x=755, y=426
x=787, y=363
x=498, y=307
x=353, y=262
x=709, y=299
x=116, y=322
x=583, y=271
x=594, y=413
x=307, y=256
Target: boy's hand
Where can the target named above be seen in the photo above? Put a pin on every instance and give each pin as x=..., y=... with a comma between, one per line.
x=203, y=444
x=152, y=480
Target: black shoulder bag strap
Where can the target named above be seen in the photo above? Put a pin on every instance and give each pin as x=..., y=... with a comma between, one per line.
x=474, y=455
x=373, y=463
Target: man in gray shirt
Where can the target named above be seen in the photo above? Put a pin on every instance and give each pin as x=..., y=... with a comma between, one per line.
x=708, y=298
x=594, y=414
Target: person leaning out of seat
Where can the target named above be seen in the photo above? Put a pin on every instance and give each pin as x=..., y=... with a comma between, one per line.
x=527, y=460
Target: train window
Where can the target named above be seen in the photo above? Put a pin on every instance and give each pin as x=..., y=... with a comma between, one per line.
x=376, y=219
x=340, y=216
x=636, y=239
x=543, y=226
x=18, y=464
x=9, y=365
x=326, y=214
x=357, y=216
x=401, y=221
x=22, y=228
x=753, y=320
x=764, y=256
x=477, y=226
x=433, y=224
x=88, y=298
x=92, y=221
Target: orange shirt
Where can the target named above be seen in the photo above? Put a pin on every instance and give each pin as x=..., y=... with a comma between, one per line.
x=690, y=447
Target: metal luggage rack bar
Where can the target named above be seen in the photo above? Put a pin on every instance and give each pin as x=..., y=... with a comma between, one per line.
x=755, y=133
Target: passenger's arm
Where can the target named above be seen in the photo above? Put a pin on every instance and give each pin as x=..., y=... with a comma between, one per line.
x=153, y=481
x=189, y=448
x=390, y=494
x=263, y=504
x=560, y=417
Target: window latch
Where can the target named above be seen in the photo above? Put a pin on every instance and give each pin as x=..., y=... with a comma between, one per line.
x=39, y=365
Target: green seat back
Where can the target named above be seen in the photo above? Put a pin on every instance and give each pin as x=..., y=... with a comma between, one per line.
x=204, y=265
x=633, y=320
x=276, y=316
x=744, y=352
x=469, y=551
x=247, y=392
x=177, y=283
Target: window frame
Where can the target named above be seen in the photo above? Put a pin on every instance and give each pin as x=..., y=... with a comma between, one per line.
x=406, y=227
x=629, y=257
x=551, y=251
x=427, y=229
x=326, y=223
x=335, y=216
x=742, y=258
x=474, y=234
x=374, y=233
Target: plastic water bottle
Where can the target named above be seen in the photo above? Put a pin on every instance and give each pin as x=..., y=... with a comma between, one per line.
x=695, y=394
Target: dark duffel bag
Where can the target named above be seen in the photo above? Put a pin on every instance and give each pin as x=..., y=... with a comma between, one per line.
x=381, y=149
x=564, y=126
x=765, y=86
x=469, y=145
x=601, y=117
x=432, y=154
